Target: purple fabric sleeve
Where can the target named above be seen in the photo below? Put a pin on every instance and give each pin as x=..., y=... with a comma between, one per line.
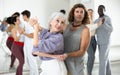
x=50, y=42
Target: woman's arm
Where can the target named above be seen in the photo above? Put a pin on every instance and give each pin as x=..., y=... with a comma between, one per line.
x=34, y=23
x=85, y=39
x=35, y=37
x=41, y=54
x=96, y=25
x=28, y=35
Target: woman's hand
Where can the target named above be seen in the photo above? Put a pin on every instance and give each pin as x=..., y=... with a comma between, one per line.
x=33, y=21
x=35, y=24
x=61, y=57
x=37, y=27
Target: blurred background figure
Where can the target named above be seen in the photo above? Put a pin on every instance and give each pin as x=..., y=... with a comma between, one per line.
x=103, y=40
x=3, y=36
x=10, y=39
x=3, y=25
x=90, y=15
x=93, y=44
x=28, y=44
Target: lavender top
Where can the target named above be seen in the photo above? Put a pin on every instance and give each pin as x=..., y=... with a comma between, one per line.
x=52, y=43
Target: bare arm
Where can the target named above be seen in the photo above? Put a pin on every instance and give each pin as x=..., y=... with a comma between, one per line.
x=28, y=35
x=85, y=39
x=35, y=38
x=41, y=54
x=96, y=25
x=37, y=29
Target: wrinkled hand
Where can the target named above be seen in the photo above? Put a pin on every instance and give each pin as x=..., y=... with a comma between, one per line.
x=33, y=21
x=61, y=57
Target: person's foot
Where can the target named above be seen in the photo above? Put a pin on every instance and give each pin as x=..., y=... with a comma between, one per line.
x=7, y=55
x=12, y=69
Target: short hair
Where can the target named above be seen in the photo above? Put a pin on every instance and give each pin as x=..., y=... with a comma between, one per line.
x=27, y=13
x=102, y=6
x=56, y=15
x=90, y=10
x=63, y=11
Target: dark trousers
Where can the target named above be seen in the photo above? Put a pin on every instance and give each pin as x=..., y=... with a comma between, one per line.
x=91, y=55
x=9, y=43
x=17, y=50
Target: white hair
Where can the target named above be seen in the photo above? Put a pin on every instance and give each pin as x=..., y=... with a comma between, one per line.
x=55, y=15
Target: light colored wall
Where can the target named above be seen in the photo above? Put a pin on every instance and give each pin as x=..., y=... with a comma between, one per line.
x=40, y=8
x=44, y=8
x=88, y=3
x=55, y=5
x=1, y=9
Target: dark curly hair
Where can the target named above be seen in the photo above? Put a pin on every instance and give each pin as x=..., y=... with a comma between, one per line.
x=71, y=14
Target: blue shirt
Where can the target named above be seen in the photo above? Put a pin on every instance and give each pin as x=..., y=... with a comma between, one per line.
x=52, y=43
x=3, y=27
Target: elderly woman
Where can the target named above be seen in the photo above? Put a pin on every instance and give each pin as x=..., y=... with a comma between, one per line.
x=48, y=44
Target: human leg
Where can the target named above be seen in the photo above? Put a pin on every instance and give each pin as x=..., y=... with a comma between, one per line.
x=53, y=67
x=32, y=61
x=91, y=55
x=9, y=43
x=103, y=59
x=19, y=54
